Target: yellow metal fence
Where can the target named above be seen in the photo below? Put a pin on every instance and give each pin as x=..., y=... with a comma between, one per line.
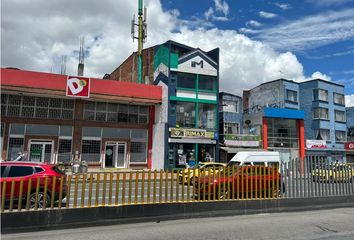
x=141, y=187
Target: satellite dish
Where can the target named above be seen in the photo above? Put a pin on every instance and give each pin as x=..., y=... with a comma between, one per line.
x=248, y=122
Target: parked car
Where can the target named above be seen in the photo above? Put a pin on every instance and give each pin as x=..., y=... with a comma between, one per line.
x=15, y=172
x=202, y=168
x=333, y=173
x=243, y=181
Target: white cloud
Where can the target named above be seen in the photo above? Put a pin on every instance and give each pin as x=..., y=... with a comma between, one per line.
x=264, y=14
x=327, y=3
x=283, y=6
x=310, y=31
x=220, y=7
x=35, y=33
x=349, y=100
x=319, y=75
x=253, y=23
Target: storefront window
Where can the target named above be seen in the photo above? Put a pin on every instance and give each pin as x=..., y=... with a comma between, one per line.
x=91, y=150
x=15, y=147
x=282, y=133
x=206, y=153
x=207, y=116
x=185, y=114
x=138, y=152
x=186, y=80
x=64, y=151
x=181, y=154
x=207, y=83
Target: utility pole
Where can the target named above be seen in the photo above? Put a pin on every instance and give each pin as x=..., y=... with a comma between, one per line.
x=142, y=27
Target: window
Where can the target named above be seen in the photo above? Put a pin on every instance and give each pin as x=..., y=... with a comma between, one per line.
x=207, y=83
x=231, y=128
x=15, y=146
x=91, y=150
x=321, y=134
x=338, y=98
x=339, y=116
x=291, y=96
x=185, y=114
x=230, y=106
x=64, y=151
x=320, y=113
x=340, y=136
x=36, y=107
x=282, y=133
x=207, y=116
x=186, y=80
x=320, y=94
x=113, y=112
x=3, y=170
x=20, y=171
x=138, y=152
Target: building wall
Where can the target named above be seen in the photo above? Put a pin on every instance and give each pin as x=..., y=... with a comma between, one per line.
x=307, y=104
x=334, y=148
x=127, y=71
x=350, y=116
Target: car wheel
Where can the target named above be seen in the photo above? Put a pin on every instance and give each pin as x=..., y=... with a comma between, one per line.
x=40, y=200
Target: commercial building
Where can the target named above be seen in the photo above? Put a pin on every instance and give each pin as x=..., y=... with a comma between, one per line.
x=349, y=145
x=272, y=110
x=325, y=118
x=186, y=123
x=58, y=118
x=232, y=139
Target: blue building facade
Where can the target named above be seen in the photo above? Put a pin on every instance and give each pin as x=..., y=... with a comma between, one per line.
x=272, y=110
x=325, y=118
x=186, y=124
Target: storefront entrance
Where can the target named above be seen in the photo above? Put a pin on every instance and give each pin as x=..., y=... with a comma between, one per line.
x=40, y=151
x=115, y=155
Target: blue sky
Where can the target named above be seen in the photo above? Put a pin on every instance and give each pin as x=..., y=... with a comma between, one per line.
x=259, y=40
x=259, y=19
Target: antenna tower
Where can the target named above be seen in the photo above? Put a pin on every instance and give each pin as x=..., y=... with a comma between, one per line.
x=142, y=34
x=80, y=68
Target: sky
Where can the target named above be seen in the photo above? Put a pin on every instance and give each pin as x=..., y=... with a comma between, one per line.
x=259, y=40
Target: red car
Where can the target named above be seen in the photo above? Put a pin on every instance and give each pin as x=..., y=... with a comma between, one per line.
x=245, y=182
x=24, y=171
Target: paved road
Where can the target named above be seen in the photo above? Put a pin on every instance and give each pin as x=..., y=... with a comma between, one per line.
x=311, y=225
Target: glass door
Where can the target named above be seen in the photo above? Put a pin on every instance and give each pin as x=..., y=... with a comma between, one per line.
x=115, y=155
x=40, y=151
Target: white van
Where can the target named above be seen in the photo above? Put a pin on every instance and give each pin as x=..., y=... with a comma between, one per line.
x=255, y=158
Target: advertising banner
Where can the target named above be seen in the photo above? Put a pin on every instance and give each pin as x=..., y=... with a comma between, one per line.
x=78, y=87
x=192, y=133
x=349, y=146
x=316, y=144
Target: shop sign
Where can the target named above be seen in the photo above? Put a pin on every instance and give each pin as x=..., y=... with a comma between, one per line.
x=192, y=133
x=237, y=143
x=316, y=144
x=78, y=87
x=349, y=146
x=242, y=137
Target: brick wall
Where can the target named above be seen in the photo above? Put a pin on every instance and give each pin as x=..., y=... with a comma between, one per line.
x=127, y=71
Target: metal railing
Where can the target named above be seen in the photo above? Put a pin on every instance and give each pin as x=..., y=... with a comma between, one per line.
x=295, y=179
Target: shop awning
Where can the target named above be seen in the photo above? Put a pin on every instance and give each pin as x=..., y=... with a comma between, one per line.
x=236, y=150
